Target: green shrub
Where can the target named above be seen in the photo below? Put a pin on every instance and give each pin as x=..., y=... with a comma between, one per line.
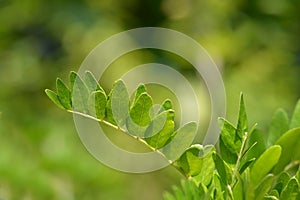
x=243, y=165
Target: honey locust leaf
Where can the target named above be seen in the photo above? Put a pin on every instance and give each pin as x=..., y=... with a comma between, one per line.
x=181, y=140
x=108, y=111
x=120, y=103
x=97, y=104
x=160, y=130
x=64, y=94
x=54, y=98
x=139, y=118
x=80, y=93
x=141, y=89
x=91, y=82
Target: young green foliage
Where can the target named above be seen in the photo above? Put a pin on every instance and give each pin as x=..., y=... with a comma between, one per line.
x=242, y=168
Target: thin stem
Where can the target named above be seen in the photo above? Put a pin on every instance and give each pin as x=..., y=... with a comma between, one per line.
x=235, y=171
x=132, y=136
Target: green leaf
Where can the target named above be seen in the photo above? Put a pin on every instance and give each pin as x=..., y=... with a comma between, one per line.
x=160, y=130
x=255, y=137
x=295, y=121
x=290, y=144
x=291, y=191
x=268, y=197
x=242, y=125
x=281, y=182
x=139, y=112
x=246, y=165
x=54, y=98
x=190, y=162
x=120, y=103
x=274, y=194
x=188, y=191
x=139, y=118
x=220, y=190
x=91, y=82
x=108, y=111
x=182, y=139
x=264, y=186
x=207, y=170
x=229, y=137
x=97, y=104
x=297, y=176
x=140, y=90
x=64, y=94
x=227, y=155
x=224, y=171
x=166, y=105
x=238, y=190
x=80, y=93
x=264, y=164
x=279, y=125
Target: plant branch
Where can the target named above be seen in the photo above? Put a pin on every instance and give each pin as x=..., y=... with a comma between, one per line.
x=132, y=136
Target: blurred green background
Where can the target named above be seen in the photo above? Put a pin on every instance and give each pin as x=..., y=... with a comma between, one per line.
x=255, y=44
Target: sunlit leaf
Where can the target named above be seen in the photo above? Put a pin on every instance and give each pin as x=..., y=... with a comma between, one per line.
x=183, y=138
x=140, y=90
x=246, y=165
x=264, y=186
x=54, y=98
x=223, y=170
x=279, y=125
x=295, y=121
x=242, y=125
x=229, y=137
x=160, y=130
x=290, y=144
x=265, y=163
x=255, y=137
